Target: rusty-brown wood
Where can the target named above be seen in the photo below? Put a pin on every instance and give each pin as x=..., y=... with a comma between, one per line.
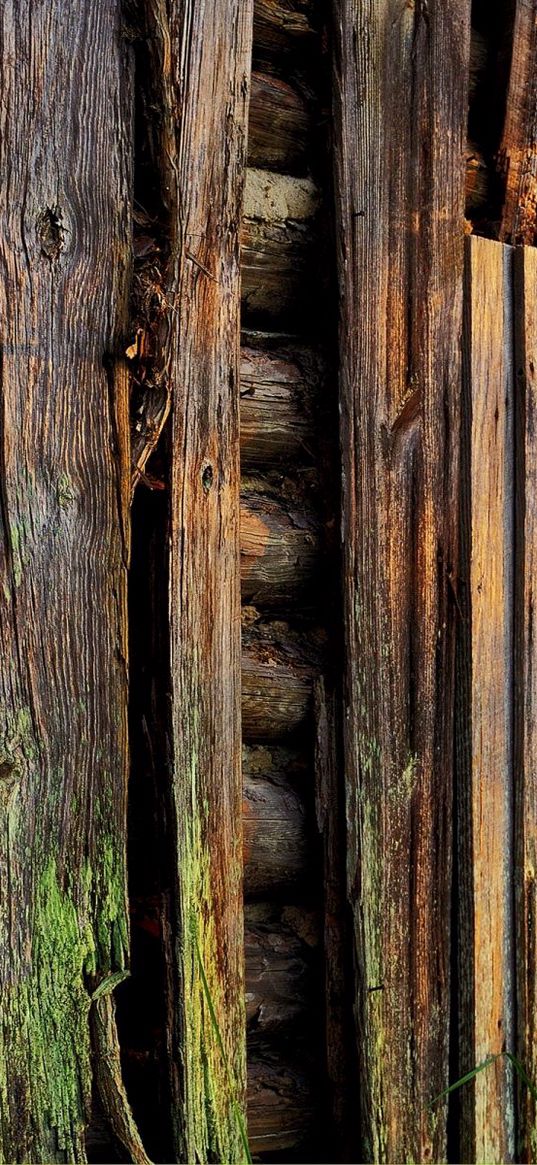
x=525, y=676
x=205, y=58
x=517, y=158
x=485, y=728
x=400, y=80
x=64, y=550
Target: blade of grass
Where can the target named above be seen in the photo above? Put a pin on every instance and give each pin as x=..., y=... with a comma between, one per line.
x=231, y=1082
x=519, y=1068
x=466, y=1079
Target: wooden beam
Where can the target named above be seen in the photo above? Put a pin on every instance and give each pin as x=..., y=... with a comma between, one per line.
x=518, y=152
x=204, y=57
x=64, y=551
x=400, y=121
x=485, y=721
x=525, y=675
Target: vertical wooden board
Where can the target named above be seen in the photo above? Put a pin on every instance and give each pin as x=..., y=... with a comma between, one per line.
x=485, y=773
x=526, y=692
x=400, y=120
x=65, y=149
x=210, y=49
x=518, y=152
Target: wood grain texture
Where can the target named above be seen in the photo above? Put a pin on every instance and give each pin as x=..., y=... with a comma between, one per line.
x=278, y=977
x=207, y=50
x=277, y=680
x=517, y=158
x=485, y=728
x=280, y=548
x=279, y=126
x=66, y=147
x=282, y=25
x=281, y=1102
x=400, y=112
x=277, y=847
x=278, y=395
x=277, y=259
x=525, y=675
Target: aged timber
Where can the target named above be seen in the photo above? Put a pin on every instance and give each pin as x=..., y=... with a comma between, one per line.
x=203, y=54
x=484, y=717
x=64, y=551
x=525, y=668
x=518, y=153
x=399, y=182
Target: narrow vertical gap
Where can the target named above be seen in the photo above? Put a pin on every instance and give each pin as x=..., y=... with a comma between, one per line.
x=492, y=45
x=141, y=1000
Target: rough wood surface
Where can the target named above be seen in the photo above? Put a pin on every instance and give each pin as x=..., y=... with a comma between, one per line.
x=278, y=396
x=525, y=672
x=280, y=548
x=275, y=838
x=278, y=127
x=207, y=52
x=277, y=677
x=277, y=259
x=518, y=152
x=399, y=121
x=485, y=729
x=64, y=548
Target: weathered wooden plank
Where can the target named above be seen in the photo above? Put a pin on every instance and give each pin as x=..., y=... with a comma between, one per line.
x=518, y=152
x=525, y=677
x=204, y=55
x=64, y=548
x=484, y=729
x=400, y=112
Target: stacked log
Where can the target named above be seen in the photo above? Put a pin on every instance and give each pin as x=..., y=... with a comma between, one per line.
x=280, y=560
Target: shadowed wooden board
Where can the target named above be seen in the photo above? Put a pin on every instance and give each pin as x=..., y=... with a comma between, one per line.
x=485, y=728
x=204, y=59
x=526, y=691
x=400, y=78
x=518, y=152
x=66, y=149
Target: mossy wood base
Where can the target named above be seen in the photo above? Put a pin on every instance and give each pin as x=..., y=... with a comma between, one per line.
x=65, y=149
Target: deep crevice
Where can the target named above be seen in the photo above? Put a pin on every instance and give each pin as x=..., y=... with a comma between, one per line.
x=491, y=51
